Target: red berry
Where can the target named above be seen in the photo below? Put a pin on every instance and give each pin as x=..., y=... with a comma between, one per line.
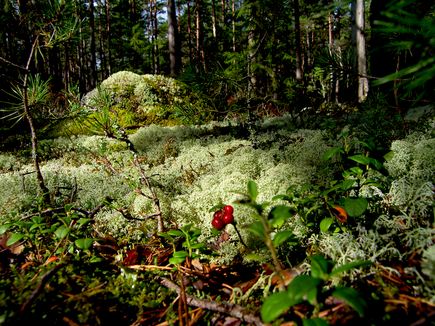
x=229, y=209
x=218, y=223
x=228, y=218
x=218, y=215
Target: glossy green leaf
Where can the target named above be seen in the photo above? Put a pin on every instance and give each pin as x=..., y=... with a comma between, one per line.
x=349, y=266
x=34, y=226
x=216, y=208
x=24, y=224
x=5, y=227
x=258, y=229
x=389, y=156
x=252, y=190
x=62, y=231
x=38, y=219
x=326, y=223
x=165, y=235
x=84, y=243
x=83, y=221
x=301, y=286
x=378, y=165
x=283, y=197
x=280, y=213
x=352, y=297
x=186, y=227
x=331, y=152
x=180, y=254
x=319, y=266
x=314, y=322
x=176, y=233
x=16, y=237
x=345, y=185
x=176, y=260
x=357, y=170
x=275, y=305
x=355, y=207
x=362, y=159
x=198, y=246
x=281, y=237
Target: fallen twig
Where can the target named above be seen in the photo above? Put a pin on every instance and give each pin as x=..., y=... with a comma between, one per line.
x=222, y=307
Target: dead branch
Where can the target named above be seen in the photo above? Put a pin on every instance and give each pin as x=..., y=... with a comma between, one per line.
x=222, y=307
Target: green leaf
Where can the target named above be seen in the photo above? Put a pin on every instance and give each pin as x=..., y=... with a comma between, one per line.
x=180, y=254
x=84, y=243
x=164, y=235
x=302, y=285
x=216, y=208
x=319, y=266
x=274, y=306
x=198, y=246
x=83, y=221
x=325, y=224
x=176, y=260
x=280, y=213
x=357, y=170
x=176, y=233
x=283, y=197
x=38, y=219
x=14, y=239
x=186, y=227
x=258, y=229
x=280, y=237
x=34, y=226
x=62, y=231
x=331, y=152
x=349, y=266
x=360, y=159
x=355, y=207
x=314, y=322
x=378, y=165
x=5, y=227
x=24, y=224
x=389, y=156
x=352, y=297
x=252, y=190
x=345, y=185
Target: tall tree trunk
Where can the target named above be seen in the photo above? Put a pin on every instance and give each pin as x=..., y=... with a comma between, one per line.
x=234, y=25
x=297, y=42
x=174, y=53
x=109, y=57
x=93, y=67
x=189, y=31
x=360, y=61
x=156, y=48
x=213, y=16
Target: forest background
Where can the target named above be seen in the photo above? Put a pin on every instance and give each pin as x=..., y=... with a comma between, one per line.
x=276, y=55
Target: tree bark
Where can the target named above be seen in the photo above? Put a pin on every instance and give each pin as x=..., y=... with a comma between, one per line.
x=174, y=53
x=360, y=59
x=93, y=67
x=297, y=42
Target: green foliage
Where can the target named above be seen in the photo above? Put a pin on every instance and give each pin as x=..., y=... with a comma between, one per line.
x=310, y=288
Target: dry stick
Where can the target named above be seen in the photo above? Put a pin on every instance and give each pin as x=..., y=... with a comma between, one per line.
x=222, y=307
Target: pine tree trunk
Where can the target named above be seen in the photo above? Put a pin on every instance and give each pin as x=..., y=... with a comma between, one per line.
x=93, y=67
x=358, y=40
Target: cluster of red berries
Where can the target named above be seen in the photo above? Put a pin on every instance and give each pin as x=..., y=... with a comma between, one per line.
x=223, y=217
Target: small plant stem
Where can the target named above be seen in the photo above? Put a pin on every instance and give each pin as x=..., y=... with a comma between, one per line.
x=270, y=246
x=240, y=237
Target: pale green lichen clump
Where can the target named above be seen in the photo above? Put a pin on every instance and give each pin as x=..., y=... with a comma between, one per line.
x=194, y=168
